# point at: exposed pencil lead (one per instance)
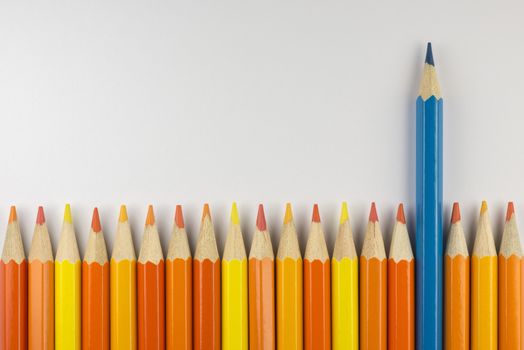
(455, 213)
(261, 218)
(316, 214)
(40, 217)
(235, 220)
(373, 216)
(179, 217)
(95, 221)
(123, 214)
(150, 219)
(12, 214)
(400, 214)
(510, 212)
(288, 217)
(206, 212)
(344, 215)
(429, 55)
(484, 207)
(67, 214)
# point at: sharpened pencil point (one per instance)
(206, 212)
(373, 216)
(316, 214)
(12, 214)
(40, 217)
(288, 217)
(67, 214)
(95, 221)
(123, 214)
(510, 212)
(455, 213)
(261, 218)
(235, 220)
(484, 207)
(429, 55)
(400, 214)
(344, 215)
(179, 217)
(150, 219)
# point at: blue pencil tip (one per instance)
(429, 55)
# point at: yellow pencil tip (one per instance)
(234, 214)
(67, 214)
(484, 207)
(344, 215)
(123, 214)
(288, 217)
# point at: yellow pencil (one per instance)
(344, 274)
(68, 268)
(484, 286)
(123, 287)
(289, 287)
(234, 288)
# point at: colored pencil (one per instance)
(428, 247)
(41, 288)
(206, 288)
(95, 290)
(456, 286)
(317, 288)
(179, 288)
(401, 288)
(510, 285)
(123, 287)
(261, 287)
(289, 287)
(373, 287)
(344, 286)
(484, 286)
(68, 298)
(151, 288)
(234, 288)
(13, 289)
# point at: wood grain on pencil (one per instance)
(206, 288)
(151, 288)
(179, 288)
(95, 290)
(317, 289)
(41, 285)
(13, 289)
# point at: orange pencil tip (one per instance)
(261, 218)
(12, 214)
(400, 214)
(373, 216)
(316, 214)
(510, 212)
(179, 217)
(455, 213)
(150, 219)
(206, 212)
(40, 217)
(95, 222)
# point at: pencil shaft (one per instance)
(151, 305)
(373, 303)
(234, 305)
(13, 305)
(123, 292)
(510, 303)
(261, 304)
(289, 304)
(95, 306)
(41, 332)
(484, 303)
(68, 305)
(456, 305)
(179, 306)
(317, 305)
(344, 274)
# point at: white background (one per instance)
(166, 102)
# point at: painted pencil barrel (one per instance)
(95, 306)
(344, 274)
(289, 304)
(261, 304)
(13, 305)
(484, 303)
(456, 306)
(41, 301)
(123, 292)
(68, 305)
(317, 305)
(151, 306)
(234, 305)
(373, 304)
(179, 310)
(510, 303)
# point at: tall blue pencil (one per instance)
(429, 254)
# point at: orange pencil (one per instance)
(41, 283)
(510, 285)
(317, 289)
(261, 288)
(373, 284)
(179, 288)
(206, 288)
(401, 288)
(456, 286)
(13, 289)
(95, 290)
(151, 289)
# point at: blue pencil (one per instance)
(429, 254)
